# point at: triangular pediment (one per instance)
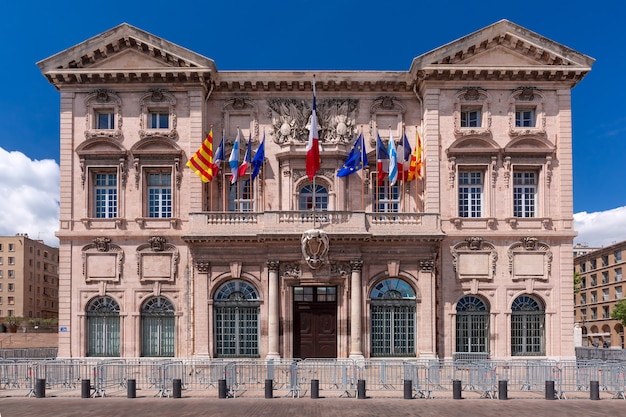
(503, 50)
(125, 53)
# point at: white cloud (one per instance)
(601, 228)
(30, 197)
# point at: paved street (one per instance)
(288, 407)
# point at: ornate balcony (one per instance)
(290, 224)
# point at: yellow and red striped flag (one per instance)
(415, 167)
(202, 161)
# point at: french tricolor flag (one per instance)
(313, 146)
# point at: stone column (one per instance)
(356, 301)
(273, 310)
(427, 347)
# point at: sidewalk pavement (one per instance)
(14, 405)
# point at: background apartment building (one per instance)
(601, 287)
(472, 256)
(29, 278)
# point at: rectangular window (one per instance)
(11, 260)
(618, 274)
(11, 247)
(240, 195)
(583, 298)
(594, 296)
(470, 117)
(470, 194)
(605, 277)
(105, 119)
(524, 194)
(594, 264)
(11, 287)
(11, 300)
(605, 312)
(583, 267)
(1, 260)
(525, 118)
(605, 294)
(387, 197)
(105, 195)
(605, 260)
(594, 313)
(618, 292)
(159, 194)
(618, 256)
(159, 120)
(11, 273)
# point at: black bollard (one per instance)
(503, 391)
(269, 388)
(550, 390)
(131, 388)
(594, 390)
(222, 388)
(408, 389)
(360, 389)
(315, 388)
(177, 385)
(456, 389)
(85, 388)
(40, 388)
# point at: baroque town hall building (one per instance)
(472, 257)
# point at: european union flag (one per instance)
(357, 158)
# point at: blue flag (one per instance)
(357, 158)
(259, 158)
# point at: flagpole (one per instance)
(362, 170)
(404, 197)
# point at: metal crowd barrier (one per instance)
(335, 377)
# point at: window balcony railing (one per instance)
(213, 224)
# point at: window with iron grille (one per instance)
(527, 327)
(392, 318)
(157, 327)
(472, 325)
(236, 306)
(103, 327)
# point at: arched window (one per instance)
(472, 325)
(236, 320)
(392, 317)
(157, 327)
(527, 327)
(103, 327)
(307, 196)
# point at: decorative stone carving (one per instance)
(474, 259)
(340, 268)
(157, 260)
(164, 100)
(273, 265)
(531, 97)
(103, 99)
(474, 98)
(315, 244)
(102, 260)
(240, 108)
(530, 258)
(202, 266)
(291, 271)
(427, 265)
(291, 120)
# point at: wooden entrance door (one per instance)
(315, 322)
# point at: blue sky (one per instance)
(311, 35)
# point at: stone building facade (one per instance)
(473, 257)
(599, 289)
